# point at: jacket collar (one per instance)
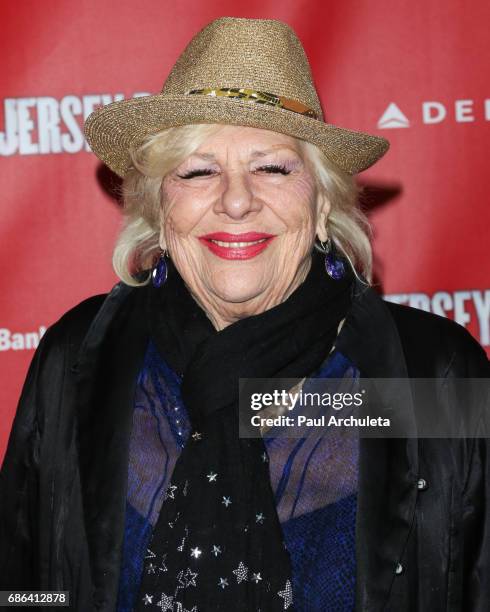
(109, 360)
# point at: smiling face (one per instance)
(239, 218)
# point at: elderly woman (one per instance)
(126, 482)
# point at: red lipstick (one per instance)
(237, 246)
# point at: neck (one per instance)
(223, 313)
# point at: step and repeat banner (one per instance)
(417, 74)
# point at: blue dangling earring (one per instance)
(334, 266)
(159, 271)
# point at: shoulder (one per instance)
(76, 321)
(59, 344)
(93, 315)
(63, 338)
(85, 311)
(45, 381)
(429, 338)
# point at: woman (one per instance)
(126, 482)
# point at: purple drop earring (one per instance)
(333, 265)
(159, 271)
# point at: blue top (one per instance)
(314, 480)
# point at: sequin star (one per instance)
(148, 599)
(256, 577)
(150, 555)
(241, 572)
(226, 501)
(171, 491)
(151, 568)
(223, 582)
(259, 518)
(165, 602)
(196, 552)
(264, 457)
(196, 436)
(162, 567)
(190, 577)
(216, 550)
(287, 595)
(212, 476)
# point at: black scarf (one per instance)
(218, 541)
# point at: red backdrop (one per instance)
(416, 73)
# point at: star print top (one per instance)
(314, 482)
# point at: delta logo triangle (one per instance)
(393, 118)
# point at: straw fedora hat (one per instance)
(250, 72)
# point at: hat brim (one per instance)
(112, 129)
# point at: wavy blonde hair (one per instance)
(138, 243)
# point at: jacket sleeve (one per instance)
(472, 363)
(27, 477)
(476, 526)
(476, 509)
(20, 473)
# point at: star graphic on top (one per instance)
(241, 572)
(190, 577)
(287, 595)
(196, 552)
(165, 603)
(223, 582)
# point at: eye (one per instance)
(198, 172)
(274, 169)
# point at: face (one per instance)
(239, 218)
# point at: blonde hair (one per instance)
(138, 242)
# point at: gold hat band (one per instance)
(259, 97)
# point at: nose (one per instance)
(237, 199)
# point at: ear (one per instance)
(322, 218)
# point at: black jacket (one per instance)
(63, 480)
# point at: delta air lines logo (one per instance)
(433, 112)
(393, 118)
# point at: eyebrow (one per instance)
(256, 153)
(273, 149)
